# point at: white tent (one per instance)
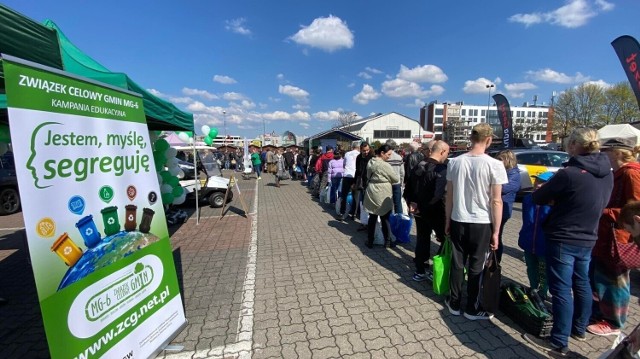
(624, 130)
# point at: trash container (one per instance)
(110, 220)
(130, 223)
(88, 231)
(147, 217)
(66, 249)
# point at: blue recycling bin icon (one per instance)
(88, 230)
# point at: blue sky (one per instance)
(295, 65)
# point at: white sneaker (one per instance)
(259, 177)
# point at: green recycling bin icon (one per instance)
(110, 219)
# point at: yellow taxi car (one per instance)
(532, 162)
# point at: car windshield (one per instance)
(557, 159)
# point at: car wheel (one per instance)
(9, 201)
(216, 199)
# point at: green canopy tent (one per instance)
(46, 44)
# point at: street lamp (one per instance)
(224, 121)
(490, 86)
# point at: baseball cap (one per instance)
(544, 176)
(618, 142)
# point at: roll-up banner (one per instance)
(627, 49)
(95, 224)
(504, 115)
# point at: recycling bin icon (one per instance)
(66, 249)
(147, 217)
(88, 230)
(110, 220)
(130, 223)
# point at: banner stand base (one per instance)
(173, 348)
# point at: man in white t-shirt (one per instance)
(348, 181)
(473, 216)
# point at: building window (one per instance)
(438, 120)
(439, 111)
(464, 112)
(391, 134)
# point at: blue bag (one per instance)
(401, 227)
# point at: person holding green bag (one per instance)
(473, 216)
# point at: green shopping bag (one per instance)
(441, 268)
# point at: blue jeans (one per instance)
(257, 169)
(310, 178)
(335, 185)
(567, 269)
(397, 198)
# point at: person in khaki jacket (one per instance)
(378, 197)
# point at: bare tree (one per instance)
(579, 106)
(522, 128)
(345, 119)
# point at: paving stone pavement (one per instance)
(289, 281)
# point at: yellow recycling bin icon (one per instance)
(66, 249)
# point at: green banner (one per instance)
(96, 229)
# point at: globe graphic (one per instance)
(109, 250)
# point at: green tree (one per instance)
(620, 105)
(579, 106)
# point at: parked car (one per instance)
(532, 162)
(9, 194)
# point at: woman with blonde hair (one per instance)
(509, 191)
(578, 195)
(610, 281)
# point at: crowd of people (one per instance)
(570, 220)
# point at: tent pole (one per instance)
(197, 179)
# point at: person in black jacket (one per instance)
(360, 178)
(578, 195)
(424, 193)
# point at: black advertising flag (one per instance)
(504, 115)
(627, 49)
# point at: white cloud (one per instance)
(295, 92)
(201, 93)
(517, 89)
(237, 26)
(604, 6)
(244, 104)
(285, 116)
(304, 125)
(602, 83)
(233, 96)
(573, 14)
(367, 94)
(477, 86)
(224, 79)
(327, 115)
(247, 127)
(351, 85)
(206, 119)
(280, 76)
(549, 75)
(425, 73)
(403, 88)
(300, 106)
(365, 75)
(373, 70)
(156, 92)
(181, 100)
(326, 33)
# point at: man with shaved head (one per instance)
(425, 194)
